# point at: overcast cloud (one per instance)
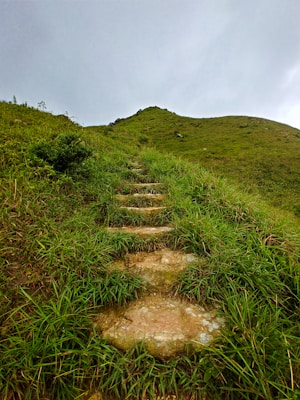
(100, 60)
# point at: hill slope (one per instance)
(57, 249)
(260, 155)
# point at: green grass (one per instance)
(54, 271)
(260, 155)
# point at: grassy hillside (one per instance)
(56, 250)
(261, 156)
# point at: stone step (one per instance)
(167, 326)
(159, 269)
(141, 199)
(154, 197)
(147, 211)
(137, 170)
(143, 231)
(142, 187)
(151, 196)
(138, 175)
(145, 187)
(146, 184)
(135, 164)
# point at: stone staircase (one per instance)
(145, 193)
(167, 325)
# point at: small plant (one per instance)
(64, 153)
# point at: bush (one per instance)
(64, 153)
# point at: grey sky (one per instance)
(104, 59)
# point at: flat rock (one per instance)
(165, 325)
(159, 269)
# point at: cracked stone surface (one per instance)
(165, 325)
(159, 269)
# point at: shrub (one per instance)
(64, 153)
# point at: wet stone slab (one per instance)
(158, 269)
(165, 325)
